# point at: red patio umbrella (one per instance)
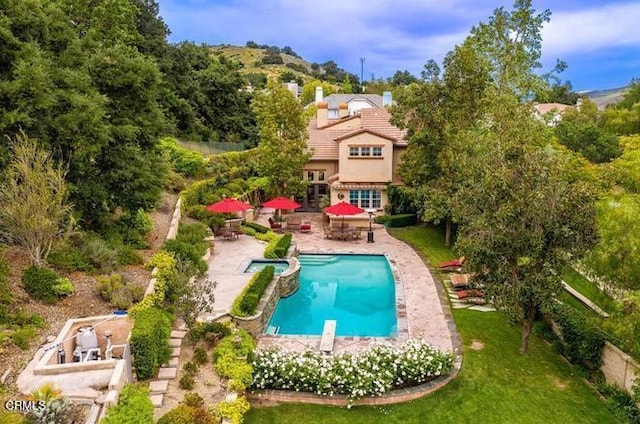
(281, 203)
(343, 208)
(229, 205)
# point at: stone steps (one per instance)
(169, 371)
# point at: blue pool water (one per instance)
(279, 266)
(355, 290)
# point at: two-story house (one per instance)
(355, 157)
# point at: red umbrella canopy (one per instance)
(281, 203)
(343, 208)
(229, 206)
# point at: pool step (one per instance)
(272, 330)
(328, 336)
(318, 259)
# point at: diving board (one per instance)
(328, 336)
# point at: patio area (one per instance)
(426, 308)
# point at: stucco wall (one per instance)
(618, 367)
(366, 169)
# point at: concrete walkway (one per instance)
(426, 318)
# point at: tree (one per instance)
(33, 199)
(282, 150)
(308, 94)
(615, 257)
(402, 78)
(579, 131)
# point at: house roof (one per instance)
(544, 108)
(324, 140)
(334, 100)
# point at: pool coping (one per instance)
(402, 326)
(242, 268)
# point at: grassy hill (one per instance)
(251, 58)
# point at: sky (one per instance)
(598, 39)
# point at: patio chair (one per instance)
(276, 226)
(356, 233)
(328, 232)
(452, 265)
(305, 227)
(229, 234)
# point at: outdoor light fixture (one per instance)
(370, 233)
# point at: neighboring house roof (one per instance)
(334, 100)
(375, 120)
(544, 108)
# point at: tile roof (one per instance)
(334, 100)
(544, 108)
(375, 120)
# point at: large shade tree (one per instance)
(524, 208)
(282, 151)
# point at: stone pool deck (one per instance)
(427, 308)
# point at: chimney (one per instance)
(323, 114)
(343, 110)
(319, 95)
(387, 100)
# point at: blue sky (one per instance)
(599, 39)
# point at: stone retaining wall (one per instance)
(282, 285)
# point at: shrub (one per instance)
(98, 253)
(370, 373)
(581, 342)
(132, 227)
(68, 257)
(128, 255)
(116, 289)
(403, 220)
(187, 381)
(621, 403)
(381, 219)
(150, 341)
(194, 233)
(200, 356)
(134, 406)
(190, 411)
(22, 337)
(257, 227)
(210, 219)
(190, 367)
(44, 284)
(184, 161)
(234, 410)
(245, 304)
(210, 331)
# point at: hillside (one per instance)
(251, 58)
(605, 97)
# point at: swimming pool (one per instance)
(257, 265)
(357, 291)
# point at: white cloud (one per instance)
(592, 29)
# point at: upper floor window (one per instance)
(315, 175)
(365, 151)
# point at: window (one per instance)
(365, 151)
(310, 175)
(366, 198)
(315, 175)
(320, 175)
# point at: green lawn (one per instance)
(496, 383)
(589, 290)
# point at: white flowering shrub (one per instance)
(381, 368)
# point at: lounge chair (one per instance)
(452, 265)
(276, 226)
(460, 281)
(305, 227)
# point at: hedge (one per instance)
(150, 341)
(259, 228)
(581, 342)
(134, 406)
(278, 247)
(229, 359)
(245, 305)
(402, 220)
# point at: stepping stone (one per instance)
(156, 400)
(167, 373)
(178, 334)
(482, 308)
(459, 305)
(175, 352)
(158, 386)
(175, 342)
(173, 362)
